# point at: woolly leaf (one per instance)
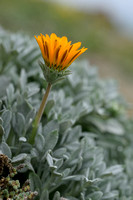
(18, 123)
(114, 127)
(110, 195)
(50, 160)
(113, 170)
(19, 158)
(6, 116)
(59, 152)
(32, 89)
(1, 133)
(4, 82)
(40, 142)
(29, 119)
(65, 125)
(35, 182)
(10, 93)
(5, 149)
(50, 126)
(51, 140)
(56, 196)
(49, 106)
(96, 195)
(44, 195)
(23, 80)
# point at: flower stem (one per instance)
(39, 114)
(42, 106)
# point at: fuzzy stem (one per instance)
(39, 114)
(42, 106)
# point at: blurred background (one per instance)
(105, 27)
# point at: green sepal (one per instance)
(53, 75)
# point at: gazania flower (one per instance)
(57, 52)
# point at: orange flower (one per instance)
(57, 52)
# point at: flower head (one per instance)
(57, 52)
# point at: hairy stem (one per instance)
(42, 106)
(39, 114)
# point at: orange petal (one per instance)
(40, 43)
(77, 55)
(53, 36)
(75, 46)
(72, 57)
(56, 53)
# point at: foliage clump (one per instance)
(83, 146)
